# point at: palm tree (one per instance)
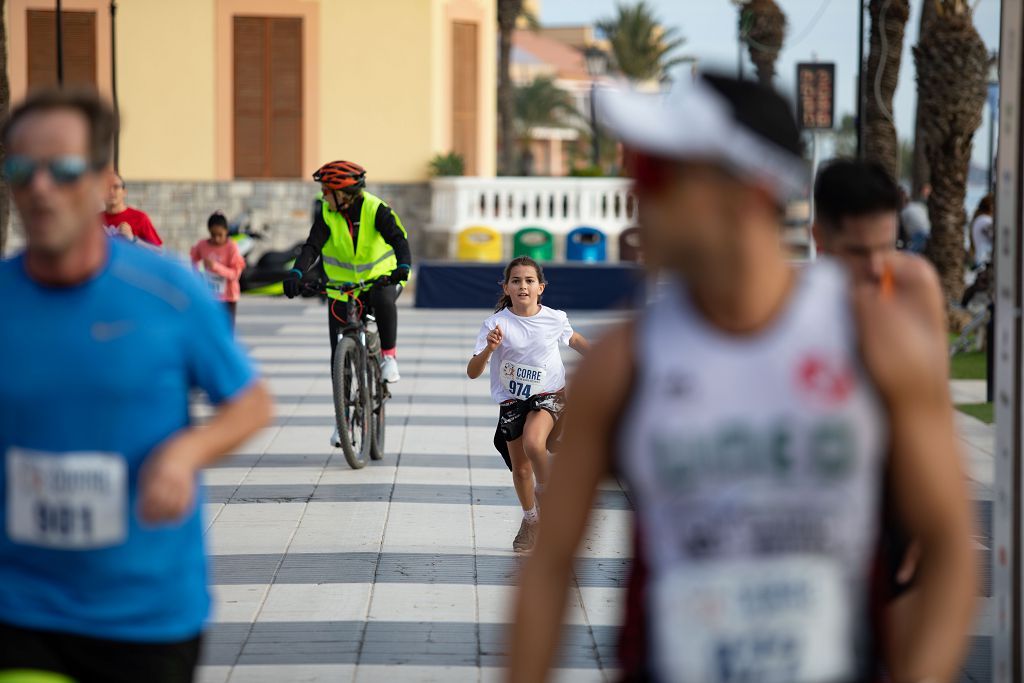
(888, 22)
(952, 65)
(919, 173)
(5, 105)
(641, 47)
(763, 28)
(508, 15)
(542, 103)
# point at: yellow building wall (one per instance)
(376, 86)
(165, 57)
(378, 81)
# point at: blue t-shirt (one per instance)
(99, 374)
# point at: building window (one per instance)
(79, 42)
(267, 97)
(465, 94)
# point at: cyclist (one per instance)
(527, 380)
(102, 567)
(749, 410)
(357, 238)
(856, 221)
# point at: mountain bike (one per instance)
(360, 393)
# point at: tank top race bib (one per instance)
(73, 501)
(521, 380)
(780, 620)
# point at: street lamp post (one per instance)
(60, 45)
(597, 66)
(993, 109)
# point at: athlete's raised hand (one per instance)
(495, 338)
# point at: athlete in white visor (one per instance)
(752, 411)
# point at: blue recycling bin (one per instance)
(586, 244)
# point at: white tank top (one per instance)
(755, 466)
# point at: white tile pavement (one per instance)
(402, 571)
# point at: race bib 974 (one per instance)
(770, 620)
(72, 501)
(522, 381)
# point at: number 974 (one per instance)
(519, 389)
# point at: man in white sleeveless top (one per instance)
(753, 412)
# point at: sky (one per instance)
(821, 29)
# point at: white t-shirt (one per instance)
(982, 232)
(528, 361)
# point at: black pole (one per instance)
(595, 143)
(113, 81)
(739, 47)
(860, 80)
(60, 45)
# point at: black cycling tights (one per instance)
(382, 301)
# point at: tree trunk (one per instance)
(508, 13)
(766, 33)
(5, 105)
(919, 175)
(952, 64)
(888, 21)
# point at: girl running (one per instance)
(221, 263)
(527, 380)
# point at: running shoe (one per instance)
(336, 439)
(526, 537)
(389, 370)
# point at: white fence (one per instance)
(555, 204)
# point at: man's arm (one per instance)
(928, 484)
(388, 228)
(319, 233)
(167, 481)
(598, 395)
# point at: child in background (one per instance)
(221, 262)
(527, 380)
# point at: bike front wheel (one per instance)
(378, 399)
(352, 402)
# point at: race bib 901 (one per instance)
(71, 501)
(522, 381)
(769, 620)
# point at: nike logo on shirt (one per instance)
(104, 331)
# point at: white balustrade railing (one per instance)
(555, 204)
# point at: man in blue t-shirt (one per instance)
(102, 565)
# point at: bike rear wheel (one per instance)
(352, 402)
(378, 399)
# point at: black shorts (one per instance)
(512, 419)
(95, 660)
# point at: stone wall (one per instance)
(279, 209)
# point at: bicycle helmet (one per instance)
(347, 176)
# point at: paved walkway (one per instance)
(401, 571)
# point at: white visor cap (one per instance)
(693, 121)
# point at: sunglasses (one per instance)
(20, 170)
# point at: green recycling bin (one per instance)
(537, 243)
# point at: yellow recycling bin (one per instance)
(480, 243)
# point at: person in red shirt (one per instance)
(121, 219)
(221, 263)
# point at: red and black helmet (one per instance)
(346, 176)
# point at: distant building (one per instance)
(556, 53)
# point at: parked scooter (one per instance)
(262, 275)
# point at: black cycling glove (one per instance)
(399, 275)
(293, 285)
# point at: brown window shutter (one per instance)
(250, 67)
(286, 98)
(79, 48)
(465, 83)
(268, 97)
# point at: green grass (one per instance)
(968, 365)
(980, 411)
